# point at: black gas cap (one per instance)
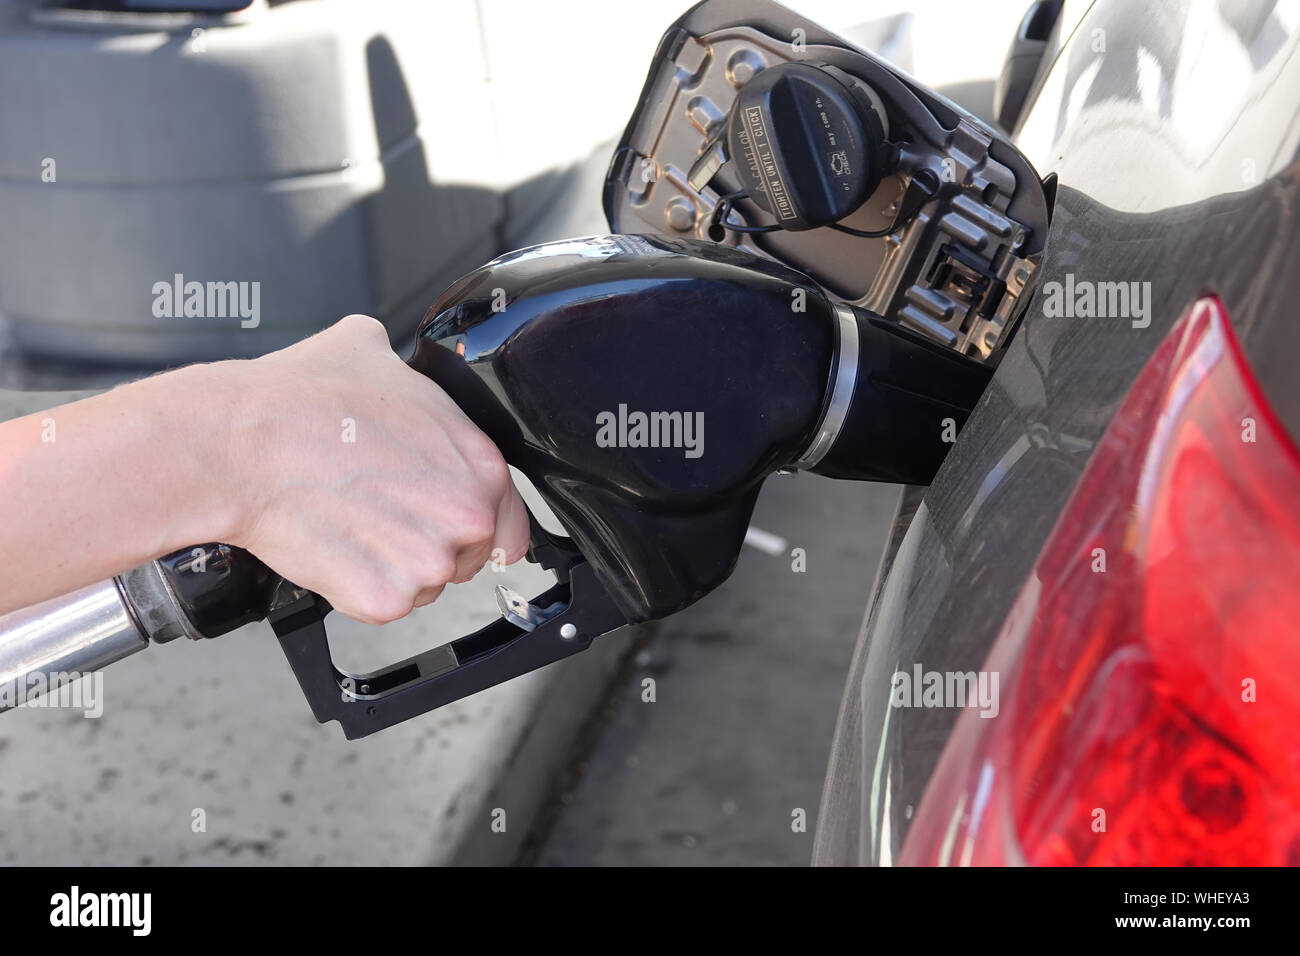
(806, 143)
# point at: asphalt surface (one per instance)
(747, 685)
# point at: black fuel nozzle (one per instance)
(646, 387)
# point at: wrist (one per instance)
(210, 406)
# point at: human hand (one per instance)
(361, 479)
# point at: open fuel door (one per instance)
(759, 129)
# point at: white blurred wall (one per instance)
(538, 54)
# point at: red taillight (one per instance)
(1151, 710)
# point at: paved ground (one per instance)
(747, 684)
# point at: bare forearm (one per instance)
(96, 487)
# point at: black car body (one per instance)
(1174, 130)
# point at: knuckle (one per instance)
(384, 604)
(494, 473)
(471, 560)
(517, 551)
(477, 523)
(363, 325)
(437, 569)
(484, 458)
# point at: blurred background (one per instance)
(322, 157)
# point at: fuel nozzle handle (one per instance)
(647, 386)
